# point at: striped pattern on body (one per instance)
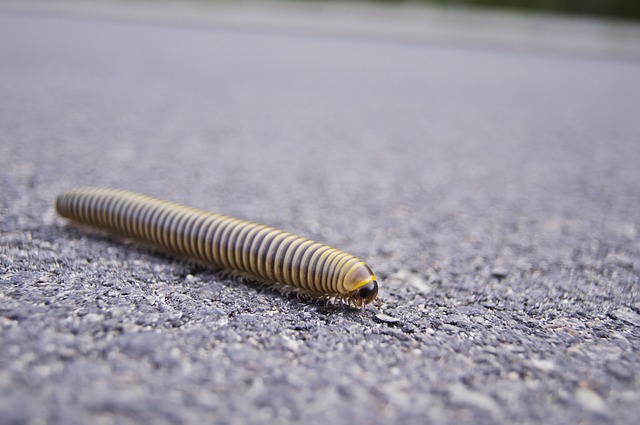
(257, 250)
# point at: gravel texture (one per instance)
(496, 193)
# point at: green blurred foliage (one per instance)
(628, 9)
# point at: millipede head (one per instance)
(361, 285)
(368, 292)
(363, 295)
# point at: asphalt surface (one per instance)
(495, 191)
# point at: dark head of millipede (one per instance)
(368, 292)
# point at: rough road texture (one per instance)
(495, 192)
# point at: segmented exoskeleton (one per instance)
(257, 250)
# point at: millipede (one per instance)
(258, 251)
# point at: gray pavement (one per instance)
(495, 190)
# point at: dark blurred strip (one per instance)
(627, 9)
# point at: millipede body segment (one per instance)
(259, 251)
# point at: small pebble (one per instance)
(499, 272)
(386, 319)
(626, 315)
(590, 400)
